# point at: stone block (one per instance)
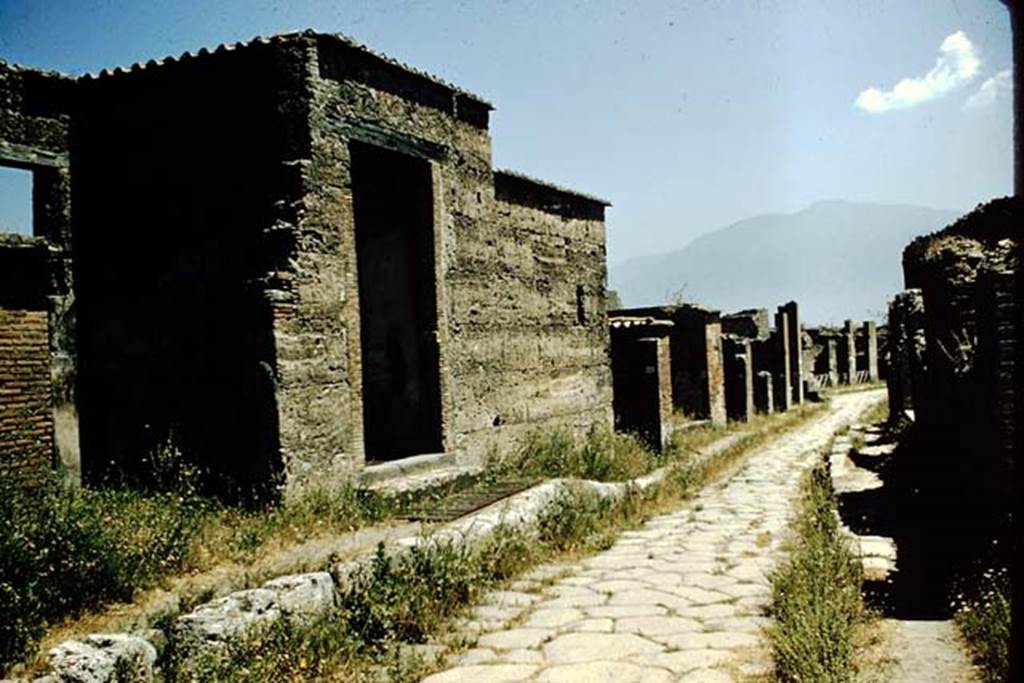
(104, 658)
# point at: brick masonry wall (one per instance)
(38, 415)
(26, 408)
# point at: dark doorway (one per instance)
(392, 196)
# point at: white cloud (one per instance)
(991, 90)
(956, 64)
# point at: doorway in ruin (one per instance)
(392, 196)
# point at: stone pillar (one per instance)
(848, 353)
(763, 393)
(642, 378)
(781, 379)
(832, 361)
(715, 372)
(739, 378)
(871, 349)
(796, 364)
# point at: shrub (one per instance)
(816, 600)
(63, 550)
(603, 455)
(984, 620)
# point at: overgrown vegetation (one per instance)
(398, 600)
(603, 455)
(983, 618)
(65, 550)
(817, 610)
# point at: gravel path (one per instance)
(679, 599)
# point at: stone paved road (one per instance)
(679, 599)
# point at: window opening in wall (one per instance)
(15, 201)
(392, 198)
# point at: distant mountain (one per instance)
(837, 259)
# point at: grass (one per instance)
(983, 619)
(66, 550)
(397, 600)
(817, 610)
(69, 550)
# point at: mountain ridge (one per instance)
(837, 258)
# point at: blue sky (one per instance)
(686, 114)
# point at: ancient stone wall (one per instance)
(796, 348)
(698, 386)
(642, 378)
(335, 273)
(751, 324)
(739, 378)
(965, 275)
(781, 370)
(183, 171)
(38, 417)
(905, 352)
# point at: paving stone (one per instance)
(719, 640)
(592, 626)
(706, 676)
(556, 617)
(591, 672)
(478, 655)
(515, 639)
(650, 626)
(586, 647)
(682, 661)
(708, 581)
(522, 656)
(484, 673)
(619, 611)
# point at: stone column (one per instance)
(848, 353)
(871, 350)
(832, 361)
(739, 378)
(763, 399)
(796, 364)
(781, 379)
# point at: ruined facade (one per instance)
(38, 421)
(905, 354)
(293, 257)
(642, 378)
(739, 378)
(968, 390)
(698, 387)
(791, 312)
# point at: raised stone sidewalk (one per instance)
(681, 599)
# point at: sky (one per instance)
(687, 115)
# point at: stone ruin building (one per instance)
(953, 345)
(718, 367)
(642, 377)
(695, 341)
(288, 259)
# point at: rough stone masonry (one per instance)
(332, 272)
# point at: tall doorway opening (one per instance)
(392, 198)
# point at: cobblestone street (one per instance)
(680, 599)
